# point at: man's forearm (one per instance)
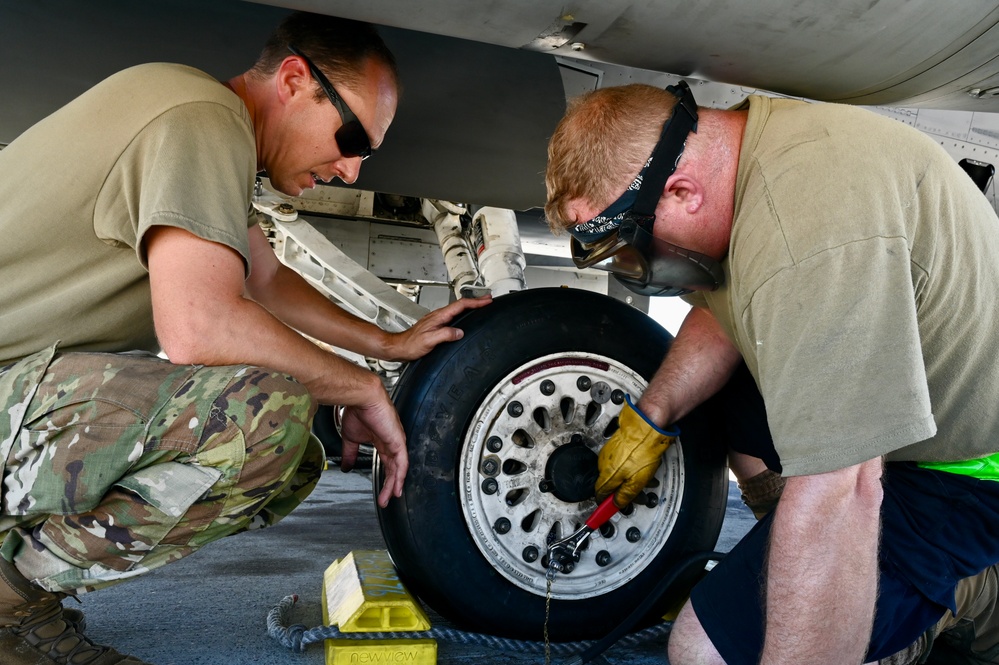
(699, 363)
(298, 304)
(822, 568)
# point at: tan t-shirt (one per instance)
(862, 289)
(156, 144)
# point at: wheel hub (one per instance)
(571, 472)
(529, 468)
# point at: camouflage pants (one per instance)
(124, 463)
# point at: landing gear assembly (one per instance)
(504, 428)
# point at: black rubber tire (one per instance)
(324, 427)
(436, 397)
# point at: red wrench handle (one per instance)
(604, 512)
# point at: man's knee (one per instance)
(689, 644)
(262, 424)
(268, 406)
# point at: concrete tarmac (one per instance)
(211, 608)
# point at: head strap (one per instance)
(667, 153)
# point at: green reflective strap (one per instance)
(983, 468)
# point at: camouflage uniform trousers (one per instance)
(124, 463)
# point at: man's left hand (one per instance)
(432, 330)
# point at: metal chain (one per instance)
(549, 577)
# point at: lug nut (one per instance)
(490, 486)
(607, 530)
(494, 444)
(515, 409)
(547, 387)
(576, 438)
(617, 397)
(490, 466)
(546, 486)
(601, 392)
(530, 554)
(603, 558)
(633, 535)
(583, 383)
(651, 500)
(502, 526)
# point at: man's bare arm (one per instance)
(700, 361)
(290, 298)
(202, 317)
(822, 570)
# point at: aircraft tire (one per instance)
(528, 396)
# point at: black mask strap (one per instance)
(667, 154)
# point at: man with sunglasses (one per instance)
(846, 264)
(114, 462)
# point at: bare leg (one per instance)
(689, 644)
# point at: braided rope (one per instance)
(297, 636)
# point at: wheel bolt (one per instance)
(547, 387)
(603, 558)
(515, 409)
(490, 486)
(633, 535)
(546, 486)
(530, 554)
(651, 500)
(617, 397)
(490, 466)
(601, 392)
(583, 383)
(502, 526)
(494, 444)
(607, 530)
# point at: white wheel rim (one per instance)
(518, 469)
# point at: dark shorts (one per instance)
(937, 528)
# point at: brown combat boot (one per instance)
(35, 631)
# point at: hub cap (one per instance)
(529, 465)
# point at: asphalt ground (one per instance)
(211, 608)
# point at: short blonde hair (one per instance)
(601, 144)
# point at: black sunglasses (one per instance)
(350, 137)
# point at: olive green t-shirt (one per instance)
(156, 144)
(862, 289)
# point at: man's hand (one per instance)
(432, 330)
(629, 460)
(379, 425)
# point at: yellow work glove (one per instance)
(630, 458)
